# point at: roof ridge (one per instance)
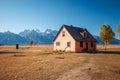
(72, 26)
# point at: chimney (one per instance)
(84, 30)
(71, 25)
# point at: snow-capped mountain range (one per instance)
(25, 36)
(37, 36)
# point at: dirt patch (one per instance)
(18, 55)
(79, 73)
(59, 57)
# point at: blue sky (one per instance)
(17, 15)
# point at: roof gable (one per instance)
(58, 33)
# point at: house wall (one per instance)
(79, 49)
(63, 42)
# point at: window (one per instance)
(85, 34)
(91, 44)
(68, 44)
(57, 43)
(63, 33)
(81, 44)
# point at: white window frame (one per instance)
(68, 44)
(63, 34)
(57, 43)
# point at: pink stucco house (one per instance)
(74, 39)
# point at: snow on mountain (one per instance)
(48, 31)
(11, 38)
(37, 36)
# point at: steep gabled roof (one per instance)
(75, 33)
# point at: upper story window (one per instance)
(63, 33)
(84, 33)
(68, 44)
(81, 44)
(57, 43)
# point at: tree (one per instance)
(106, 34)
(118, 30)
(31, 42)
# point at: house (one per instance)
(74, 39)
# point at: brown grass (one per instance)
(109, 48)
(41, 63)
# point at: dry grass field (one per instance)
(41, 63)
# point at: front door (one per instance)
(86, 46)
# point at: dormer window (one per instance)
(84, 33)
(63, 33)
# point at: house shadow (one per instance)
(15, 54)
(9, 52)
(108, 52)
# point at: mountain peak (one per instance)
(37, 30)
(8, 32)
(48, 31)
(39, 37)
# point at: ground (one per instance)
(41, 63)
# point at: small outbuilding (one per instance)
(74, 39)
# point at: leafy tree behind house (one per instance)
(31, 42)
(106, 34)
(118, 30)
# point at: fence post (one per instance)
(17, 46)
